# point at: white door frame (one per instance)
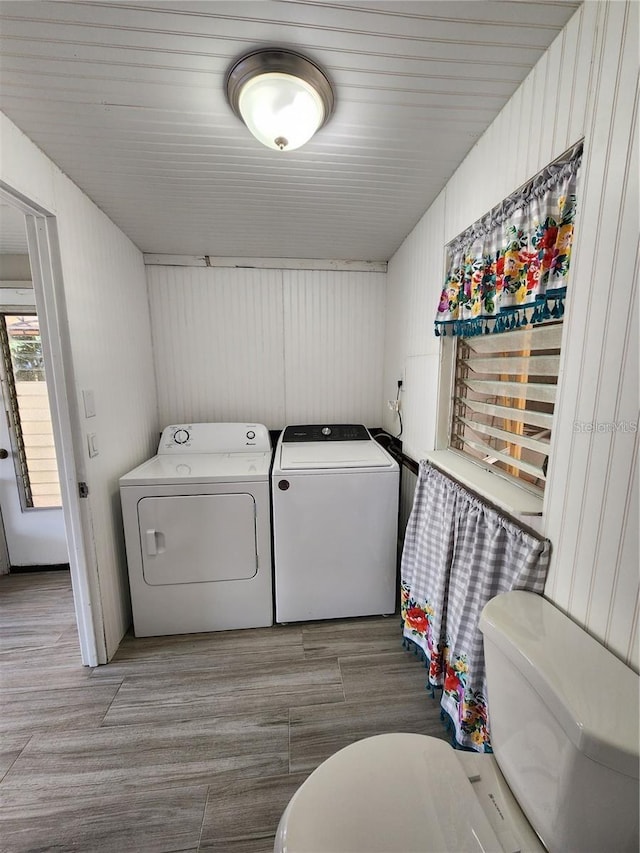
(46, 271)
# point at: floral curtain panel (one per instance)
(510, 268)
(458, 554)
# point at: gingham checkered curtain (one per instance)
(458, 554)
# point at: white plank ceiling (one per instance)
(127, 98)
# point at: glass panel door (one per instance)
(28, 411)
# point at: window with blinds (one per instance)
(504, 396)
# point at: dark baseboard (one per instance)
(56, 567)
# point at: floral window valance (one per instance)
(510, 268)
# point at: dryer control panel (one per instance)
(326, 432)
(214, 438)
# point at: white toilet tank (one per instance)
(563, 714)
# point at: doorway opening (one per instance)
(30, 495)
(27, 406)
(36, 365)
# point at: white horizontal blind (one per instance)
(504, 398)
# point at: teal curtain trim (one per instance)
(549, 306)
(419, 652)
(448, 723)
(445, 717)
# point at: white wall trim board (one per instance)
(264, 263)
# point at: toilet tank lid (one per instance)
(590, 692)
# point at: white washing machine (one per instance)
(335, 523)
(197, 531)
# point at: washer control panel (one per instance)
(214, 438)
(326, 432)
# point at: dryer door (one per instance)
(197, 538)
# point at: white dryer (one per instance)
(197, 531)
(335, 523)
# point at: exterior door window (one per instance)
(27, 403)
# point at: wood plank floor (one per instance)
(188, 743)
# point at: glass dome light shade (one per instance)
(281, 111)
(281, 96)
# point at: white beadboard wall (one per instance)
(333, 346)
(585, 85)
(217, 338)
(267, 345)
(110, 336)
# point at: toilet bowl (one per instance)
(563, 713)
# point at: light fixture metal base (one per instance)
(278, 61)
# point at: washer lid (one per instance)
(422, 802)
(166, 469)
(333, 454)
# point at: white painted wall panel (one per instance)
(586, 84)
(524, 137)
(581, 76)
(414, 283)
(539, 119)
(110, 340)
(626, 601)
(333, 346)
(23, 166)
(217, 337)
(419, 406)
(274, 346)
(589, 491)
(110, 334)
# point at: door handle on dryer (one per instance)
(152, 545)
(154, 542)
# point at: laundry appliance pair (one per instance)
(198, 527)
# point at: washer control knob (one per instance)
(326, 430)
(181, 436)
(251, 435)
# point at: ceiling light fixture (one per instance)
(281, 96)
